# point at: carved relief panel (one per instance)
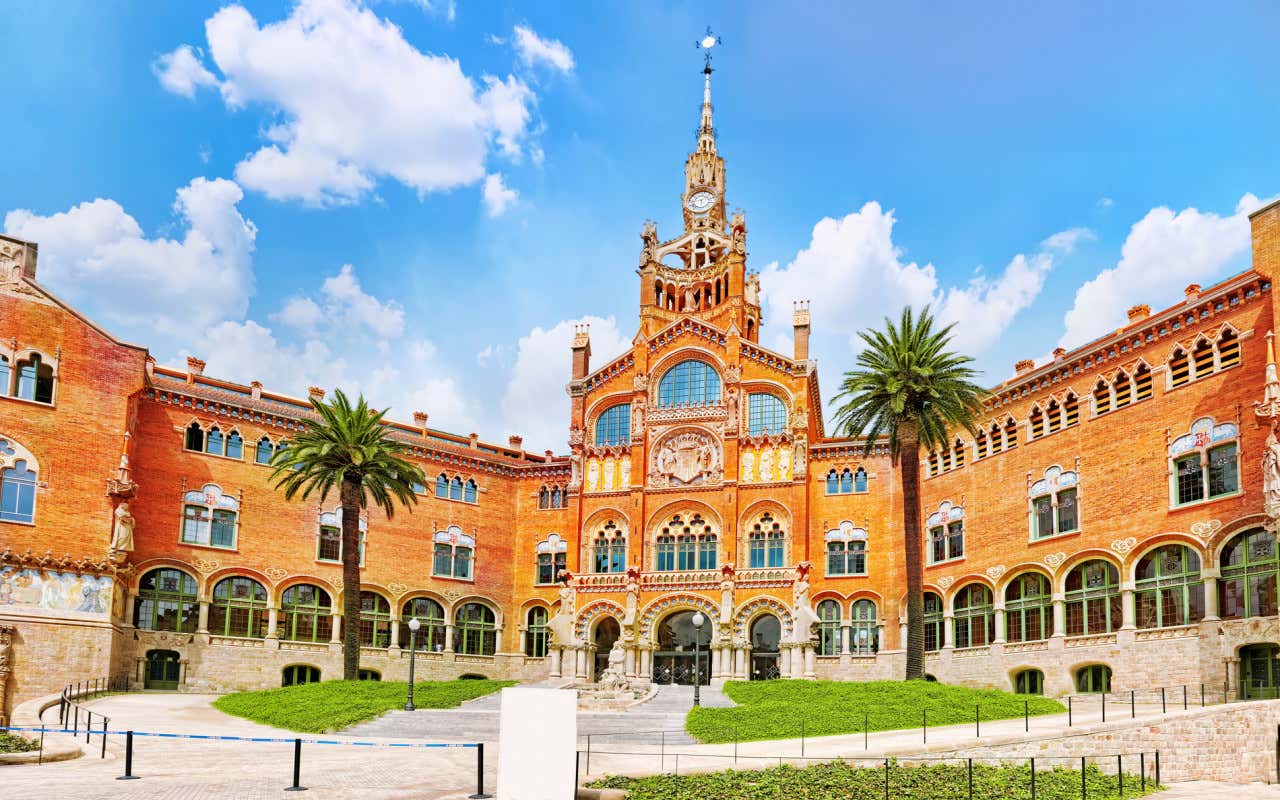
(686, 457)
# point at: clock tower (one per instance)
(701, 272)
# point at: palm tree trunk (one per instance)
(909, 474)
(350, 579)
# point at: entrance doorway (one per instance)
(607, 633)
(766, 637)
(1259, 672)
(162, 670)
(673, 662)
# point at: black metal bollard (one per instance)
(977, 722)
(970, 770)
(480, 793)
(577, 761)
(1163, 710)
(1202, 695)
(1084, 785)
(588, 754)
(1133, 708)
(104, 737)
(886, 779)
(1033, 779)
(297, 768)
(924, 724)
(128, 758)
(1026, 715)
(75, 725)
(1120, 774)
(1157, 768)
(1068, 711)
(1142, 770)
(1104, 706)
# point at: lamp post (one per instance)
(698, 619)
(413, 629)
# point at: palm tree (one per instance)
(350, 450)
(909, 388)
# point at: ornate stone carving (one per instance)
(799, 463)
(945, 582)
(995, 572)
(397, 588)
(275, 573)
(649, 242)
(121, 484)
(1054, 560)
(1204, 531)
(561, 626)
(205, 565)
(1123, 546)
(686, 458)
(122, 533)
(805, 618)
(640, 382)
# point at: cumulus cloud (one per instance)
(853, 274)
(535, 404)
(356, 103)
(353, 306)
(533, 50)
(148, 286)
(182, 71)
(1164, 251)
(497, 197)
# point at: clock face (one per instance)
(701, 201)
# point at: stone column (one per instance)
(744, 664)
(203, 624)
(1128, 613)
(335, 622)
(879, 642)
(902, 635)
(998, 610)
(448, 638)
(581, 671)
(646, 663)
(948, 631)
(555, 662)
(395, 633)
(1059, 616)
(810, 663)
(273, 622)
(629, 662)
(130, 602)
(1211, 610)
(846, 639)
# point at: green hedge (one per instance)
(774, 709)
(12, 743)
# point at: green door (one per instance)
(1259, 673)
(162, 670)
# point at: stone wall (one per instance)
(48, 653)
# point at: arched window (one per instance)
(997, 439)
(609, 550)
(666, 546)
(552, 555)
(368, 675)
(766, 543)
(298, 674)
(613, 426)
(1206, 462)
(1250, 568)
(558, 497)
(1070, 411)
(689, 383)
(1037, 423)
(1053, 417)
(544, 498)
(442, 486)
(1093, 599)
(213, 444)
(687, 545)
(452, 553)
(833, 482)
(17, 489)
(975, 624)
(946, 533)
(1028, 608)
(329, 537)
(470, 491)
(932, 622)
(1202, 357)
(1093, 679)
(864, 634)
(765, 414)
(829, 628)
(1141, 383)
(1055, 506)
(235, 445)
(860, 480)
(375, 620)
(1179, 368)
(1167, 587)
(846, 550)
(1123, 389)
(306, 614)
(166, 602)
(4, 375)
(846, 481)
(209, 517)
(980, 444)
(1101, 397)
(1228, 350)
(1010, 434)
(35, 379)
(263, 451)
(239, 608)
(1029, 681)
(455, 488)
(194, 439)
(474, 630)
(535, 635)
(431, 621)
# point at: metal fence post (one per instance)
(88, 725)
(1202, 695)
(1184, 697)
(1142, 770)
(128, 758)
(1104, 706)
(1120, 773)
(40, 757)
(977, 722)
(1133, 707)
(297, 768)
(1026, 715)
(735, 744)
(970, 768)
(1157, 768)
(802, 737)
(924, 724)
(886, 779)
(662, 751)
(588, 754)
(75, 725)
(104, 737)
(1084, 786)
(1163, 710)
(1068, 711)
(866, 730)
(577, 760)
(1033, 779)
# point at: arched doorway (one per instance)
(606, 635)
(1259, 671)
(162, 670)
(766, 638)
(673, 661)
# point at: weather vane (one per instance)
(708, 41)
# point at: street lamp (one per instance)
(413, 629)
(698, 619)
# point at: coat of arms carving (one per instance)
(687, 458)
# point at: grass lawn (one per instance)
(334, 705)
(840, 781)
(12, 743)
(774, 709)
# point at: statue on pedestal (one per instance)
(122, 532)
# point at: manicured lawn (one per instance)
(334, 705)
(774, 709)
(840, 781)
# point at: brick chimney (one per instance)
(1193, 292)
(1059, 353)
(255, 390)
(194, 367)
(475, 441)
(315, 393)
(1141, 311)
(581, 351)
(800, 324)
(515, 442)
(1265, 224)
(1024, 366)
(420, 419)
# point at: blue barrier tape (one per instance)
(223, 738)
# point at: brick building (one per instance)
(1109, 524)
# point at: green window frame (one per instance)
(549, 566)
(864, 632)
(1093, 679)
(1250, 567)
(535, 635)
(475, 631)
(829, 628)
(973, 618)
(1028, 608)
(375, 620)
(306, 614)
(239, 608)
(1167, 587)
(430, 637)
(1093, 604)
(299, 674)
(932, 622)
(167, 601)
(1028, 681)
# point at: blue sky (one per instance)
(419, 199)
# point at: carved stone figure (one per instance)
(753, 290)
(1271, 478)
(637, 419)
(610, 473)
(732, 374)
(748, 466)
(731, 405)
(739, 240)
(122, 534)
(800, 460)
(649, 246)
(640, 382)
(624, 468)
(726, 600)
(561, 625)
(593, 475)
(689, 302)
(805, 618)
(766, 464)
(614, 678)
(575, 476)
(784, 463)
(632, 599)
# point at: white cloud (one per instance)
(853, 275)
(1164, 251)
(1105, 203)
(535, 404)
(302, 313)
(497, 197)
(356, 103)
(182, 71)
(534, 50)
(447, 9)
(349, 303)
(171, 287)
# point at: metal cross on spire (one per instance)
(708, 41)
